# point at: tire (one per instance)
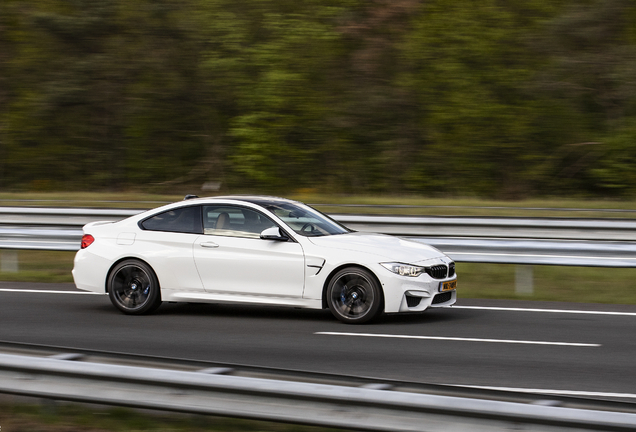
(354, 296)
(133, 287)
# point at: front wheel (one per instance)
(133, 287)
(354, 296)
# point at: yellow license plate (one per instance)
(447, 286)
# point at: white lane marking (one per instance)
(576, 344)
(551, 392)
(539, 255)
(545, 310)
(49, 291)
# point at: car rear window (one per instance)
(180, 220)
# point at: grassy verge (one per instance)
(51, 417)
(86, 199)
(37, 266)
(415, 205)
(472, 207)
(551, 283)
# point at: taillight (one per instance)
(87, 240)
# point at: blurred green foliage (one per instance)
(500, 99)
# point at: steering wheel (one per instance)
(309, 225)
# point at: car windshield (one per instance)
(305, 220)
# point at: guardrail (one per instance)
(618, 403)
(550, 241)
(206, 392)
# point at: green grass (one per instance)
(86, 199)
(58, 417)
(38, 266)
(551, 283)
(472, 206)
(424, 205)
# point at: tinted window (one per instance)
(182, 220)
(233, 221)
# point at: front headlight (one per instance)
(404, 269)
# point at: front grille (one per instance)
(437, 271)
(413, 301)
(442, 298)
(451, 269)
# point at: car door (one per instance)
(232, 258)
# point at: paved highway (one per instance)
(561, 348)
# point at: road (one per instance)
(566, 348)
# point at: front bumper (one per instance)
(414, 294)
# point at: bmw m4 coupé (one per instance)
(259, 250)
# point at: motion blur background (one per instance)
(484, 108)
(498, 99)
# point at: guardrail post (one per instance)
(9, 261)
(524, 280)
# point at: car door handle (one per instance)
(209, 245)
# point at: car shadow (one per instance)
(434, 315)
(288, 313)
(236, 311)
(428, 316)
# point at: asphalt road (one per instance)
(585, 350)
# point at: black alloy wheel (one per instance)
(133, 287)
(354, 296)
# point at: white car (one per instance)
(259, 250)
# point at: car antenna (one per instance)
(189, 196)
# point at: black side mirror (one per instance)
(273, 233)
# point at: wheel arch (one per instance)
(343, 266)
(110, 269)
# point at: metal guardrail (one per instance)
(205, 392)
(509, 228)
(473, 207)
(552, 241)
(618, 403)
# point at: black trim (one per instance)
(442, 298)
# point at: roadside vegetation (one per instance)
(334, 203)
(526, 108)
(504, 100)
(51, 416)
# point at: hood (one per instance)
(387, 248)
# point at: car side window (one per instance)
(231, 221)
(180, 220)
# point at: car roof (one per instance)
(255, 198)
(260, 200)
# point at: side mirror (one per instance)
(273, 233)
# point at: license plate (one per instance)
(449, 285)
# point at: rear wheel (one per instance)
(354, 296)
(133, 287)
